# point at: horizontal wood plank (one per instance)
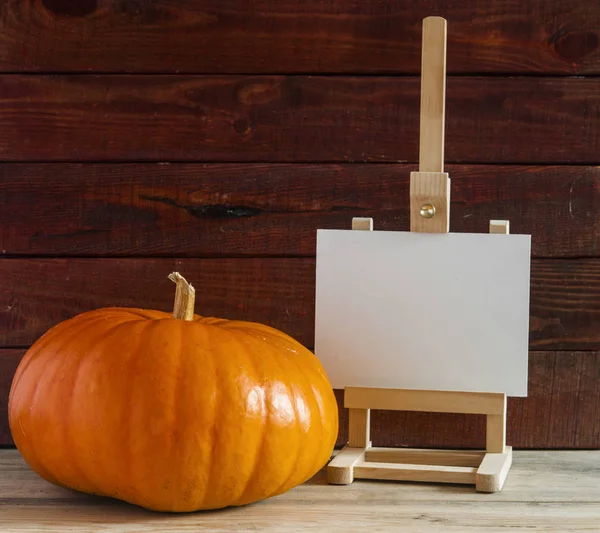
(562, 410)
(35, 294)
(212, 36)
(191, 210)
(293, 119)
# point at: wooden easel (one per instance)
(429, 212)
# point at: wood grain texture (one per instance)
(274, 291)
(293, 119)
(211, 36)
(561, 411)
(540, 495)
(543, 476)
(35, 294)
(275, 209)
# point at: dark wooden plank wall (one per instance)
(215, 137)
(293, 118)
(312, 36)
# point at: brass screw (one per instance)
(427, 210)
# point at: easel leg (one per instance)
(341, 469)
(493, 471)
(494, 468)
(495, 433)
(360, 428)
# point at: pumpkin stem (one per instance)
(185, 296)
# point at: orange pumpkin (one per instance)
(172, 412)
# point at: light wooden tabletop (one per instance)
(545, 491)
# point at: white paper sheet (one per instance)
(423, 311)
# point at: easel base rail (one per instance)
(487, 471)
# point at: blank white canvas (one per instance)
(423, 311)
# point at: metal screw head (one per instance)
(427, 210)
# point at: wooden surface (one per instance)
(550, 492)
(506, 36)
(275, 209)
(215, 137)
(293, 118)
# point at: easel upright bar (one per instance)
(359, 420)
(495, 436)
(433, 95)
(359, 433)
(430, 186)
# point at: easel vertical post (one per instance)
(496, 424)
(430, 186)
(433, 95)
(359, 431)
(495, 436)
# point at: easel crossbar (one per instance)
(467, 458)
(487, 471)
(476, 403)
(412, 472)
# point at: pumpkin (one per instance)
(172, 412)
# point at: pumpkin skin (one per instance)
(172, 415)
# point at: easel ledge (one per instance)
(487, 470)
